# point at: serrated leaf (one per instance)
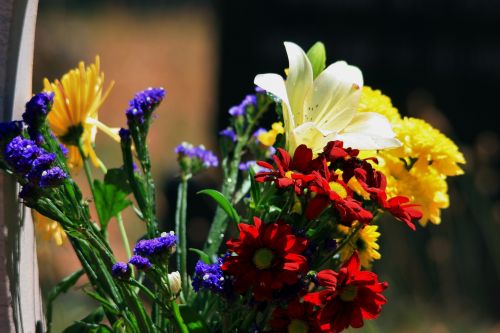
(193, 320)
(223, 203)
(203, 256)
(118, 177)
(109, 201)
(317, 57)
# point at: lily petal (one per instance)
(299, 81)
(334, 99)
(309, 135)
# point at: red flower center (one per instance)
(349, 293)
(263, 258)
(298, 326)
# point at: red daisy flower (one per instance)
(401, 209)
(297, 318)
(348, 297)
(267, 257)
(334, 150)
(290, 172)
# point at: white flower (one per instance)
(325, 109)
(174, 280)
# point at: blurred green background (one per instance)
(437, 62)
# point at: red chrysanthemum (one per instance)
(296, 318)
(348, 297)
(267, 257)
(290, 172)
(404, 211)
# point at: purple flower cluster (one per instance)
(143, 104)
(140, 262)
(208, 276)
(229, 133)
(240, 109)
(121, 270)
(156, 246)
(35, 113)
(200, 153)
(34, 163)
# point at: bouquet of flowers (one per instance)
(294, 236)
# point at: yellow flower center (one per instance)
(263, 258)
(338, 188)
(298, 326)
(349, 293)
(289, 174)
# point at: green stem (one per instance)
(179, 322)
(219, 224)
(124, 237)
(180, 230)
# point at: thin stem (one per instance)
(179, 322)
(180, 230)
(124, 237)
(86, 167)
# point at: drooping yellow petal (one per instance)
(48, 229)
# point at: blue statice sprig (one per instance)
(194, 159)
(229, 133)
(143, 104)
(157, 247)
(140, 262)
(121, 270)
(209, 276)
(37, 109)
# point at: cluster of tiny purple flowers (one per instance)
(209, 276)
(206, 157)
(143, 104)
(144, 251)
(33, 163)
(36, 111)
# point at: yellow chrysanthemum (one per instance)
(48, 229)
(269, 138)
(428, 147)
(428, 189)
(365, 242)
(374, 101)
(78, 96)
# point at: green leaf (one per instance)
(203, 256)
(104, 302)
(254, 187)
(109, 201)
(118, 177)
(193, 320)
(317, 57)
(223, 203)
(90, 324)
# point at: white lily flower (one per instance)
(325, 109)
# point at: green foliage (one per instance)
(90, 324)
(317, 57)
(111, 196)
(193, 320)
(223, 202)
(203, 256)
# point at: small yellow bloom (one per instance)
(78, 96)
(48, 229)
(269, 138)
(365, 242)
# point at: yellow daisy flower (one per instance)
(365, 242)
(48, 229)
(374, 101)
(78, 96)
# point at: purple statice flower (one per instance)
(244, 166)
(121, 271)
(35, 113)
(143, 104)
(52, 177)
(64, 150)
(208, 276)
(229, 133)
(200, 156)
(20, 154)
(39, 165)
(239, 110)
(156, 246)
(10, 129)
(140, 262)
(124, 134)
(259, 90)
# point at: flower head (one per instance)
(74, 115)
(121, 270)
(249, 101)
(325, 109)
(36, 112)
(165, 244)
(175, 282)
(364, 242)
(348, 296)
(143, 104)
(140, 262)
(266, 258)
(195, 159)
(52, 177)
(209, 276)
(20, 154)
(229, 133)
(298, 317)
(9, 130)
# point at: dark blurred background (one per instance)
(437, 60)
